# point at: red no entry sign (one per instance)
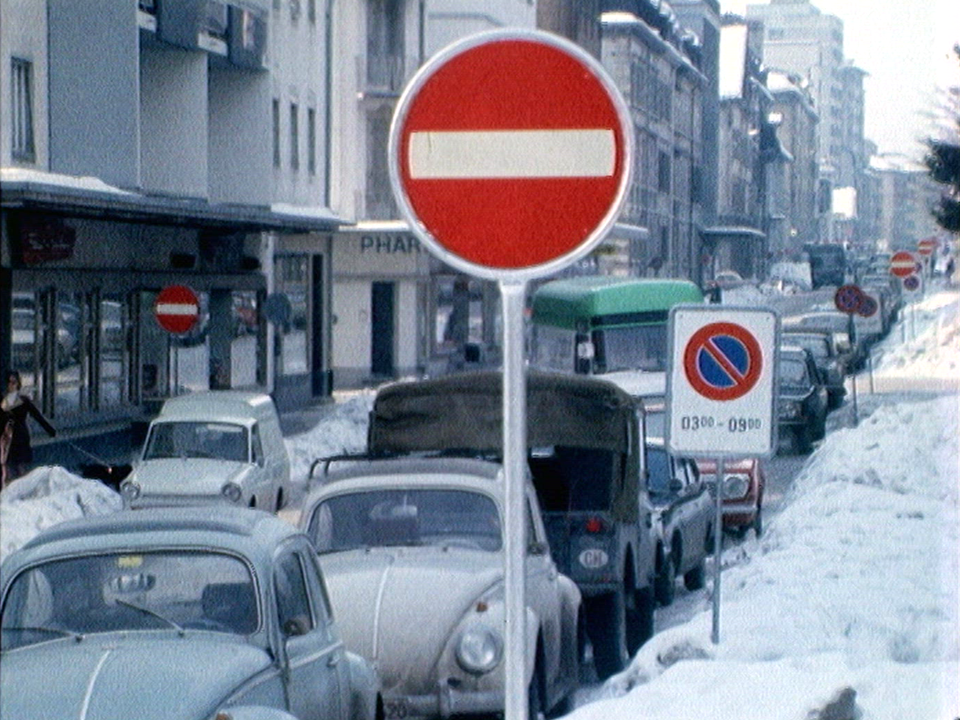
(722, 361)
(927, 246)
(510, 153)
(903, 264)
(177, 309)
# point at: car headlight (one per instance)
(130, 490)
(789, 409)
(232, 492)
(479, 650)
(735, 486)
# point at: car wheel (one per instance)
(606, 623)
(639, 614)
(665, 585)
(835, 400)
(695, 578)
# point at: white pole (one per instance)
(717, 552)
(513, 296)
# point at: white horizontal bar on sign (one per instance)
(176, 309)
(474, 154)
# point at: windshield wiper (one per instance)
(152, 613)
(52, 630)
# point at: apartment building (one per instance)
(144, 155)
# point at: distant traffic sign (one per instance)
(848, 299)
(911, 283)
(720, 384)
(868, 307)
(177, 309)
(510, 154)
(927, 246)
(903, 263)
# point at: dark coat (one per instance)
(20, 448)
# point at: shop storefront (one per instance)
(79, 277)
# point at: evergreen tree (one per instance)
(943, 165)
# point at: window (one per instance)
(294, 138)
(293, 603)
(663, 172)
(276, 133)
(21, 112)
(312, 141)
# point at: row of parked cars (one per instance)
(388, 600)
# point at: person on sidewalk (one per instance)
(16, 448)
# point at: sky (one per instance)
(854, 582)
(906, 47)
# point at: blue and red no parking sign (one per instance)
(722, 361)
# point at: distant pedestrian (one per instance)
(17, 450)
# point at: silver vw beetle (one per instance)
(412, 550)
(175, 614)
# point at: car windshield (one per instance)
(642, 347)
(793, 372)
(818, 346)
(380, 518)
(130, 591)
(658, 471)
(223, 441)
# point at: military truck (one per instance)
(585, 446)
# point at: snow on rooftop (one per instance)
(40, 177)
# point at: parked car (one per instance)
(742, 488)
(585, 454)
(175, 614)
(412, 550)
(802, 398)
(685, 514)
(822, 345)
(852, 348)
(213, 446)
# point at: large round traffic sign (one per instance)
(903, 264)
(510, 154)
(927, 246)
(177, 309)
(722, 361)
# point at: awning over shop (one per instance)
(89, 197)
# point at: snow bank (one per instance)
(343, 431)
(46, 496)
(853, 585)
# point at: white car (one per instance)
(412, 551)
(213, 446)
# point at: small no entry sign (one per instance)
(903, 263)
(177, 309)
(720, 384)
(927, 246)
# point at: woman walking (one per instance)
(16, 451)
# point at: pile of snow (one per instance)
(343, 431)
(927, 344)
(854, 585)
(45, 496)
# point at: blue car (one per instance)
(175, 614)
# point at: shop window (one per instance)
(243, 347)
(292, 279)
(112, 356)
(27, 341)
(70, 355)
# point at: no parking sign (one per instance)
(720, 386)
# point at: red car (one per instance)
(743, 484)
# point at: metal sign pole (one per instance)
(850, 334)
(717, 552)
(513, 296)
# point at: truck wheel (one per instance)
(665, 585)
(639, 618)
(606, 623)
(695, 578)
